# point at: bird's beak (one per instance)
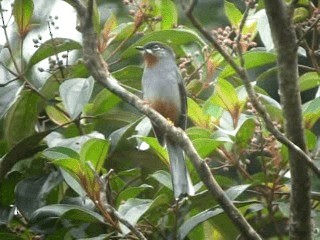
(144, 50)
(140, 48)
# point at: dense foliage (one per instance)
(72, 153)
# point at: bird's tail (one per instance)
(181, 180)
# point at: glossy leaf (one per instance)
(163, 177)
(31, 193)
(22, 12)
(252, 60)
(53, 47)
(71, 165)
(169, 15)
(205, 146)
(192, 222)
(233, 13)
(22, 117)
(197, 115)
(103, 102)
(309, 80)
(95, 151)
(175, 37)
(75, 94)
(23, 149)
(131, 192)
(132, 210)
(8, 96)
(235, 191)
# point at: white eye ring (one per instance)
(156, 47)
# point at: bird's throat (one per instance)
(150, 60)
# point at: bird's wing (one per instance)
(183, 98)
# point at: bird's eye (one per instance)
(156, 47)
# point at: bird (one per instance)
(163, 89)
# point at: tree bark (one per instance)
(284, 37)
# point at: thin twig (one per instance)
(251, 93)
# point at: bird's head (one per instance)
(154, 52)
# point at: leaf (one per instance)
(129, 75)
(53, 47)
(225, 96)
(56, 153)
(95, 151)
(23, 149)
(235, 191)
(163, 177)
(175, 37)
(22, 13)
(194, 221)
(197, 132)
(109, 25)
(131, 192)
(169, 15)
(31, 193)
(197, 115)
(205, 146)
(22, 117)
(10, 236)
(57, 116)
(233, 13)
(45, 218)
(103, 102)
(71, 165)
(309, 80)
(132, 210)
(245, 133)
(264, 29)
(252, 59)
(8, 96)
(75, 93)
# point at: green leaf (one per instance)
(8, 96)
(311, 112)
(103, 102)
(197, 132)
(132, 210)
(23, 149)
(225, 96)
(45, 218)
(235, 191)
(130, 76)
(157, 148)
(131, 192)
(173, 37)
(22, 117)
(75, 94)
(163, 177)
(309, 80)
(22, 13)
(245, 133)
(233, 13)
(71, 165)
(31, 193)
(169, 15)
(197, 115)
(95, 151)
(194, 221)
(56, 153)
(205, 146)
(252, 60)
(53, 47)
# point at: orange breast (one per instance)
(167, 109)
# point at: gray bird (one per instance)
(164, 90)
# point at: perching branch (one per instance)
(285, 40)
(251, 93)
(99, 71)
